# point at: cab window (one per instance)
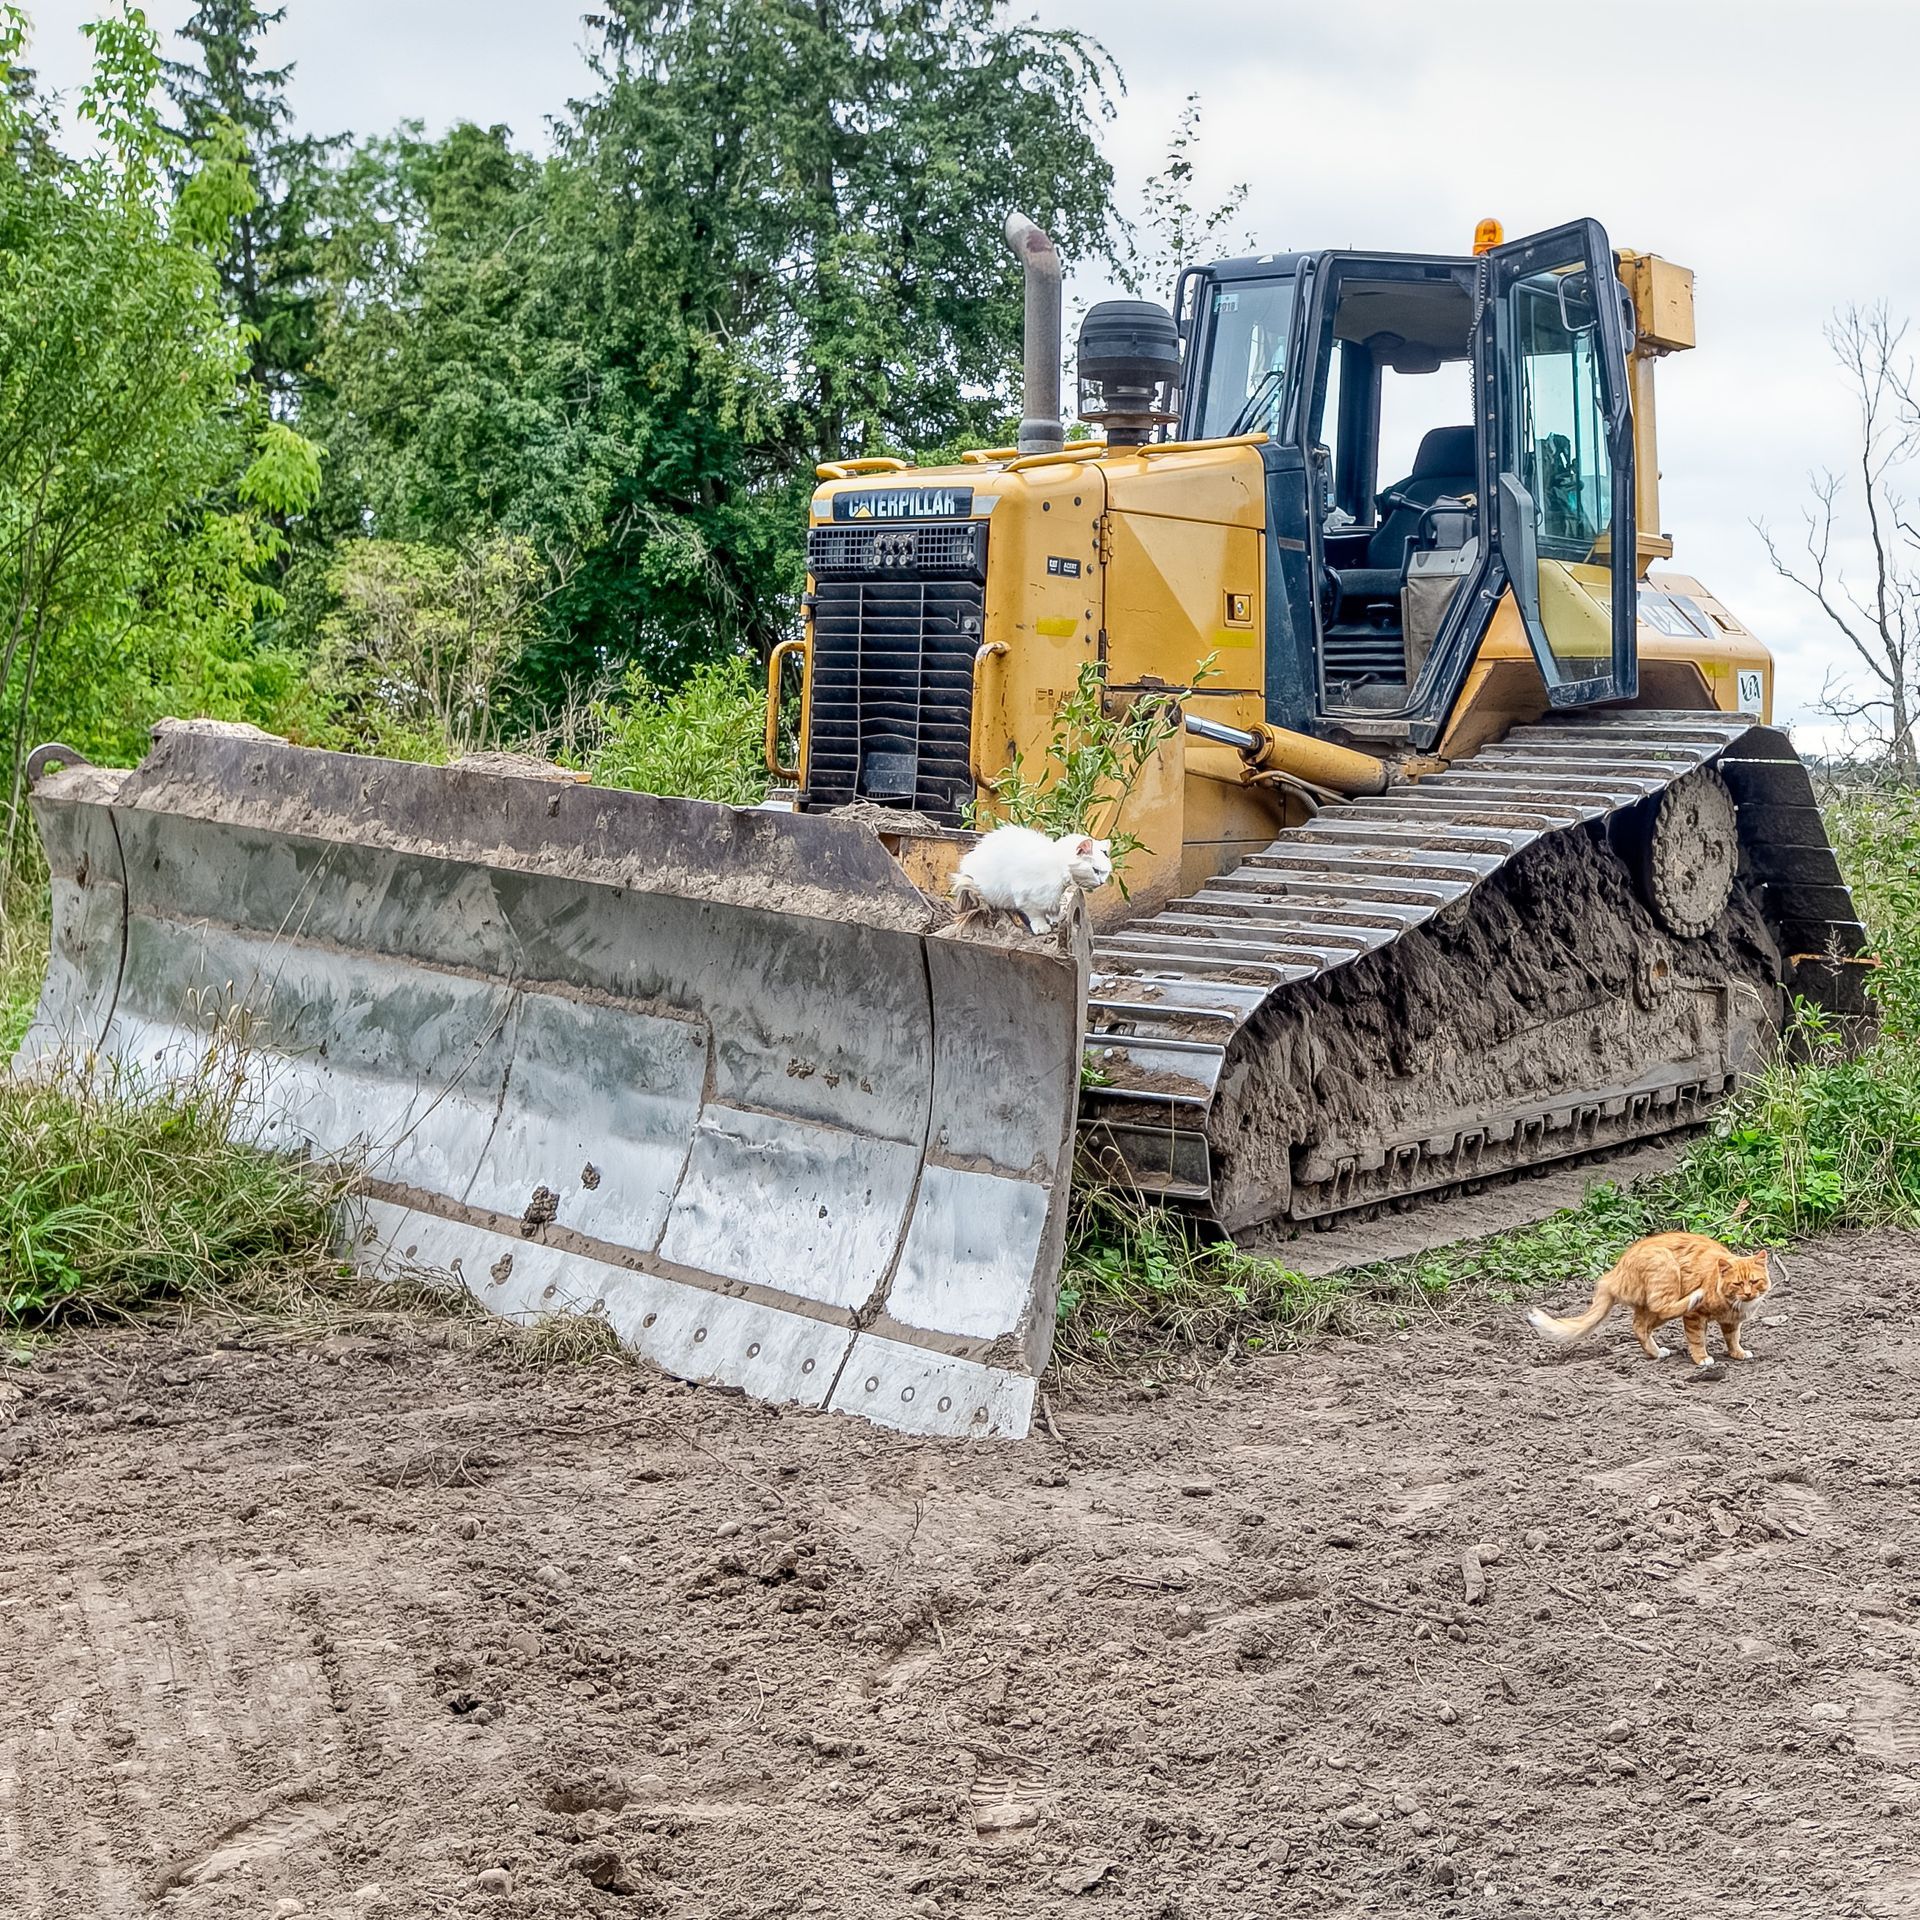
(1247, 325)
(1564, 458)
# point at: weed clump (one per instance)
(1139, 1279)
(703, 741)
(1094, 760)
(116, 1194)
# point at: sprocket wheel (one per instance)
(1693, 853)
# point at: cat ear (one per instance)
(1084, 848)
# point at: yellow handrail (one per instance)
(980, 456)
(775, 661)
(1082, 449)
(981, 655)
(1201, 446)
(848, 469)
(1073, 451)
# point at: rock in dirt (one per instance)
(602, 1867)
(496, 1881)
(1473, 1576)
(1083, 1879)
(1448, 1715)
(1362, 1819)
(1420, 1820)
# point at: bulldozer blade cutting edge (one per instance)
(719, 1075)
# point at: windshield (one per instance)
(1247, 323)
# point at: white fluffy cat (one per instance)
(1021, 871)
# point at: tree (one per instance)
(268, 263)
(137, 487)
(1879, 621)
(768, 236)
(420, 653)
(1172, 233)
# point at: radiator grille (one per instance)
(952, 548)
(893, 679)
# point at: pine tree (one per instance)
(269, 269)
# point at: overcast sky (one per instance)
(1766, 145)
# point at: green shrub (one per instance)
(1093, 762)
(703, 741)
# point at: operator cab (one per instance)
(1438, 426)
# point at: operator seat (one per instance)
(1443, 469)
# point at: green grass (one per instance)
(1816, 1142)
(115, 1195)
(23, 959)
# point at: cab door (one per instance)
(1556, 447)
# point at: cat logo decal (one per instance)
(904, 503)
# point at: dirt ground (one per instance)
(372, 1626)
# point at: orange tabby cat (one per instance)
(1672, 1276)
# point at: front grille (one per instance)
(949, 548)
(893, 655)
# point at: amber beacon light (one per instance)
(1488, 235)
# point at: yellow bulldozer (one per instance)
(1473, 850)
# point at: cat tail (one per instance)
(1549, 1328)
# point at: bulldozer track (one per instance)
(1175, 996)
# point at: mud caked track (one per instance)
(1553, 947)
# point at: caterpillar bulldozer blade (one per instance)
(722, 1076)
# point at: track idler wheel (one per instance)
(1692, 854)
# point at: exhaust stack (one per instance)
(1040, 428)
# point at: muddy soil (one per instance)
(1441, 1621)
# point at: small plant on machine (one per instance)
(1093, 763)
